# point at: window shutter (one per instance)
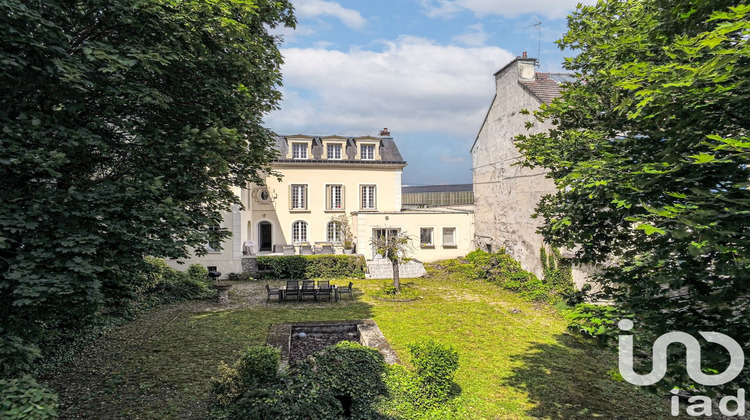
(304, 197)
(343, 198)
(329, 196)
(291, 194)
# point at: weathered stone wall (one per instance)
(383, 269)
(505, 194)
(249, 266)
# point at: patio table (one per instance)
(282, 292)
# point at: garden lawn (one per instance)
(516, 359)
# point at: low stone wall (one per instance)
(250, 266)
(383, 269)
(280, 336)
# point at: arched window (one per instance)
(334, 232)
(299, 231)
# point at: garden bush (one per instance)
(427, 391)
(434, 364)
(501, 269)
(346, 378)
(312, 266)
(198, 273)
(24, 398)
(256, 368)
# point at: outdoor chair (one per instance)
(271, 292)
(308, 289)
(344, 290)
(288, 250)
(324, 289)
(305, 250)
(326, 249)
(292, 289)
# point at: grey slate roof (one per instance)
(388, 151)
(437, 188)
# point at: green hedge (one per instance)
(312, 266)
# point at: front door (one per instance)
(264, 236)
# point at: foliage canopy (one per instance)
(650, 154)
(125, 126)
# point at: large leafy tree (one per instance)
(650, 153)
(125, 126)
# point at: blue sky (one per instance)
(422, 68)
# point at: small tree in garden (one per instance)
(395, 247)
(345, 229)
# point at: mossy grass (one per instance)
(516, 359)
(407, 293)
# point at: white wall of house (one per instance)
(451, 232)
(271, 211)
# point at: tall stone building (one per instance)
(506, 194)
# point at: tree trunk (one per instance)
(396, 282)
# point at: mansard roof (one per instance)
(389, 153)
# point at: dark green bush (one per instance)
(312, 266)
(16, 355)
(252, 388)
(24, 398)
(198, 273)
(256, 368)
(413, 396)
(434, 364)
(348, 369)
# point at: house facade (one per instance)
(324, 178)
(506, 194)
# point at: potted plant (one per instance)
(346, 232)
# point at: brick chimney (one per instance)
(384, 132)
(526, 67)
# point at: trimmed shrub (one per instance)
(413, 394)
(349, 370)
(346, 378)
(434, 364)
(24, 398)
(257, 367)
(312, 266)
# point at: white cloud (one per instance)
(552, 9)
(412, 85)
(317, 8)
(475, 36)
(291, 35)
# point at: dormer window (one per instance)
(334, 151)
(299, 150)
(367, 151)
